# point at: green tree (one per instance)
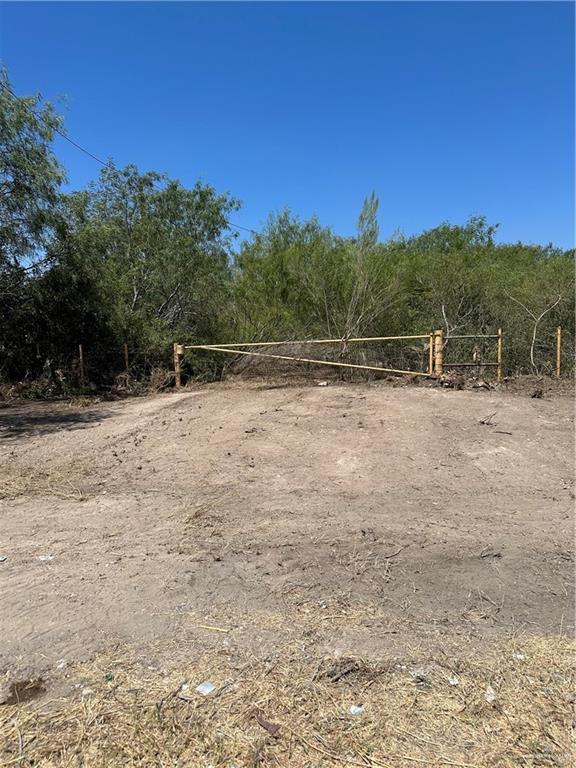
(153, 259)
(372, 286)
(30, 177)
(139, 258)
(288, 280)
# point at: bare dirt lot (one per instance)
(346, 521)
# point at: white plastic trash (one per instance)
(490, 694)
(205, 688)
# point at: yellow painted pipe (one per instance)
(305, 360)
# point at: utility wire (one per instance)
(59, 132)
(102, 162)
(246, 229)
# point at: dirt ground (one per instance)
(404, 552)
(350, 518)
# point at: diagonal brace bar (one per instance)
(305, 360)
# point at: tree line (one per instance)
(137, 258)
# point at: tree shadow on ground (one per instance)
(33, 419)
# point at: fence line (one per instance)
(302, 341)
(299, 360)
(439, 363)
(472, 336)
(81, 361)
(499, 355)
(470, 365)
(437, 344)
(438, 353)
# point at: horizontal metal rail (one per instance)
(473, 336)
(304, 341)
(213, 348)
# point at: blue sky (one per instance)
(443, 109)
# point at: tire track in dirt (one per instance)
(267, 509)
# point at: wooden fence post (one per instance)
(126, 361)
(499, 356)
(177, 369)
(558, 351)
(431, 354)
(81, 360)
(439, 352)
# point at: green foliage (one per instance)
(296, 279)
(29, 181)
(138, 258)
(289, 280)
(29, 174)
(159, 250)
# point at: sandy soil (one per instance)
(347, 518)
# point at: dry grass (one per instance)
(83, 401)
(293, 711)
(63, 481)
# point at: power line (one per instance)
(59, 132)
(102, 162)
(246, 229)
